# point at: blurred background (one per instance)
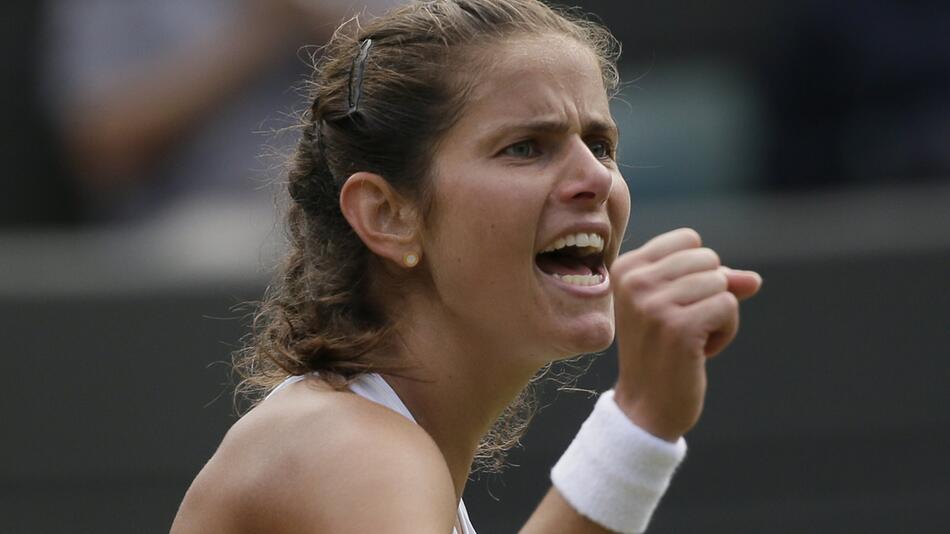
(808, 140)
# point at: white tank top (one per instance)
(373, 387)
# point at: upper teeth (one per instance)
(577, 240)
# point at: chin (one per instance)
(592, 336)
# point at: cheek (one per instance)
(490, 212)
(462, 233)
(482, 236)
(619, 204)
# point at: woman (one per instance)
(456, 221)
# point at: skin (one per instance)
(530, 159)
(181, 88)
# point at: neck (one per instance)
(458, 385)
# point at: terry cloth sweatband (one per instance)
(614, 472)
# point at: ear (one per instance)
(385, 221)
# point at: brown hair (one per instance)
(318, 314)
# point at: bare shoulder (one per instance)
(311, 459)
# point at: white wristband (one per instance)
(614, 472)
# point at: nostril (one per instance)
(585, 195)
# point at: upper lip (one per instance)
(599, 228)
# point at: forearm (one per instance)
(116, 132)
(554, 514)
(611, 478)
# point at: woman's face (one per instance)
(530, 167)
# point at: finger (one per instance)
(685, 262)
(719, 317)
(659, 247)
(665, 244)
(694, 287)
(743, 284)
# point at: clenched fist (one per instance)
(676, 306)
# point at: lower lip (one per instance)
(594, 291)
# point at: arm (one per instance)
(675, 307)
(115, 132)
(554, 514)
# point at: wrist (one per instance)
(615, 473)
(644, 417)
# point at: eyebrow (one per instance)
(556, 126)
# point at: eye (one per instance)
(601, 149)
(522, 149)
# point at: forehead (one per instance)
(553, 77)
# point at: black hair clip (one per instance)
(315, 143)
(356, 78)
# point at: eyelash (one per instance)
(609, 149)
(531, 144)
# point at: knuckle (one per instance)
(624, 263)
(722, 281)
(625, 282)
(711, 256)
(730, 301)
(635, 281)
(691, 237)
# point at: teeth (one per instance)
(581, 279)
(577, 240)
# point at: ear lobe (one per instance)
(384, 220)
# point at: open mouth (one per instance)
(576, 259)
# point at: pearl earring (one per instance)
(410, 259)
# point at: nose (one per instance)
(587, 180)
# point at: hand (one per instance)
(288, 24)
(675, 306)
(310, 20)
